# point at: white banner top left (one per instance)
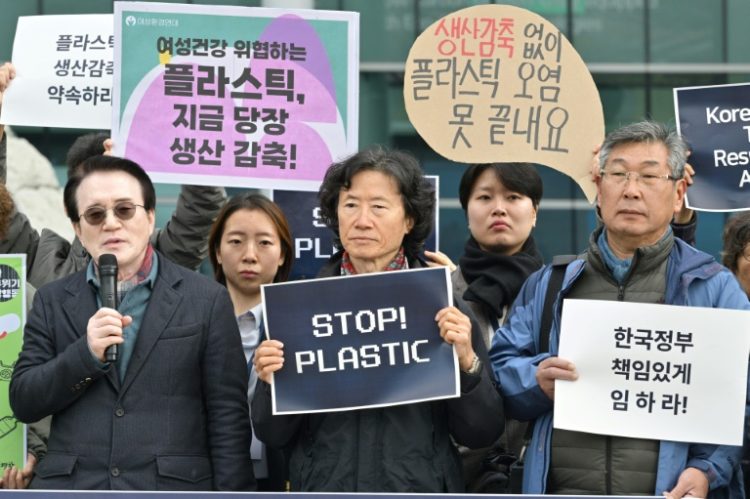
(63, 72)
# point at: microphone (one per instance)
(108, 294)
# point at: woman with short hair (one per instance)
(380, 207)
(501, 201)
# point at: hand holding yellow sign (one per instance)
(496, 83)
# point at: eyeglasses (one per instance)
(124, 210)
(647, 179)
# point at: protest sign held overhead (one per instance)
(373, 337)
(63, 72)
(715, 121)
(654, 371)
(235, 96)
(499, 83)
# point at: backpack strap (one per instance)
(559, 264)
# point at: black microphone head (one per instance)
(108, 264)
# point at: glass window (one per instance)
(386, 29)
(609, 31)
(686, 31)
(738, 36)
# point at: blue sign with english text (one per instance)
(715, 121)
(360, 341)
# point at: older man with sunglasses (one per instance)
(170, 413)
(632, 257)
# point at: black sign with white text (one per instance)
(715, 121)
(360, 341)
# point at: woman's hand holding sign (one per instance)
(455, 329)
(269, 358)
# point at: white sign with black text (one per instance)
(654, 371)
(64, 71)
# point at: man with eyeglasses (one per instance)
(633, 256)
(171, 412)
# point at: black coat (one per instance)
(179, 419)
(404, 448)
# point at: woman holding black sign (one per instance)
(380, 207)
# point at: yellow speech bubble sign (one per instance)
(497, 83)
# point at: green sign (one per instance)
(12, 320)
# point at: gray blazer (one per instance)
(178, 421)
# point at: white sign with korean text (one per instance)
(63, 72)
(654, 371)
